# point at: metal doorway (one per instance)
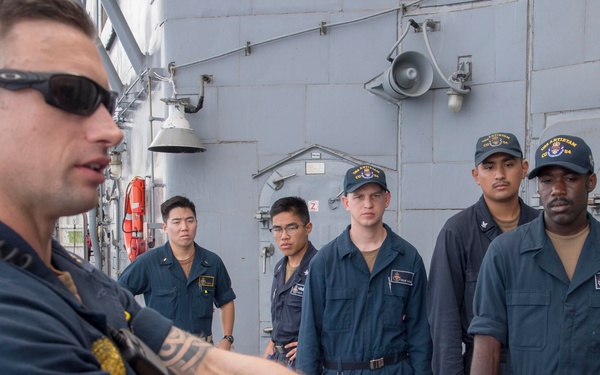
(319, 181)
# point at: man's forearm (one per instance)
(227, 318)
(185, 354)
(486, 356)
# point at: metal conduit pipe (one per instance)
(93, 223)
(151, 233)
(115, 196)
(316, 28)
(389, 56)
(460, 88)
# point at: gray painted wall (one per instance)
(535, 70)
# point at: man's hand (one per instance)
(291, 355)
(224, 344)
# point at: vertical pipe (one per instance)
(117, 240)
(151, 232)
(94, 237)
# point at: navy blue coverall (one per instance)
(286, 302)
(525, 300)
(44, 329)
(188, 302)
(459, 250)
(352, 315)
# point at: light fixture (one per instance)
(455, 100)
(115, 165)
(176, 135)
(457, 89)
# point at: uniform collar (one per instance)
(485, 220)
(63, 261)
(167, 257)
(306, 258)
(199, 265)
(538, 237)
(546, 257)
(391, 242)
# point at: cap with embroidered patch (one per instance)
(362, 175)
(565, 151)
(495, 143)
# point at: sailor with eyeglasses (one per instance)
(58, 313)
(291, 227)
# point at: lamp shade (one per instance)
(176, 135)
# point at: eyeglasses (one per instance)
(72, 93)
(290, 229)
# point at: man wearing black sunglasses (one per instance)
(59, 314)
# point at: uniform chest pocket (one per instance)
(295, 301)
(164, 301)
(339, 310)
(527, 319)
(203, 301)
(594, 322)
(394, 304)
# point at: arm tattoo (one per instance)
(183, 353)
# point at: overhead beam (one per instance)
(119, 23)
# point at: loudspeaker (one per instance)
(410, 75)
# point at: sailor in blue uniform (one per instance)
(291, 227)
(77, 315)
(538, 290)
(462, 243)
(182, 280)
(363, 308)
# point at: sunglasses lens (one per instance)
(110, 101)
(79, 95)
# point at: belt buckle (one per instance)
(280, 349)
(375, 364)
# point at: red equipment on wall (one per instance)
(133, 223)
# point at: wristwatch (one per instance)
(228, 338)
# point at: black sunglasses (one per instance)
(75, 94)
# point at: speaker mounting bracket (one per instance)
(431, 26)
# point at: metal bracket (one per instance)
(323, 28)
(464, 69)
(332, 201)
(281, 180)
(431, 26)
(266, 252)
(262, 216)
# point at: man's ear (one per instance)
(309, 227)
(592, 182)
(525, 165)
(475, 175)
(344, 200)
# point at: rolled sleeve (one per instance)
(223, 293)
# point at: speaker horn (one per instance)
(410, 75)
